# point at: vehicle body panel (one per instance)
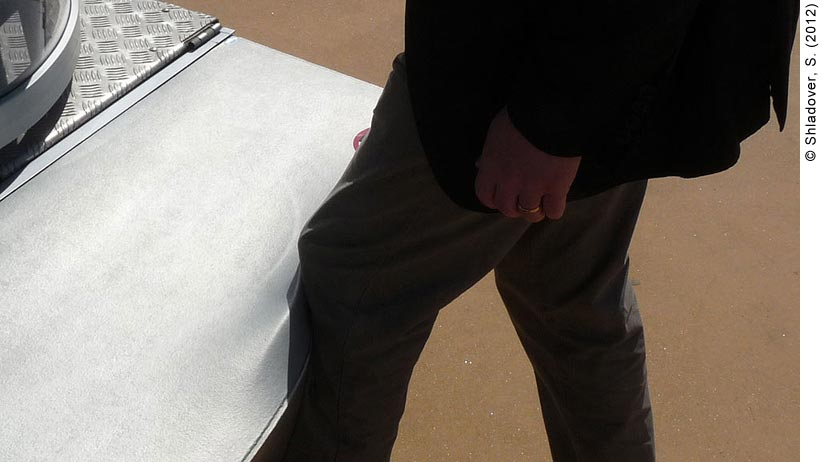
(147, 276)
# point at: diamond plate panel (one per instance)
(123, 43)
(14, 55)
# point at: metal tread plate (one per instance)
(15, 59)
(123, 43)
(14, 54)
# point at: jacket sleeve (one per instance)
(786, 17)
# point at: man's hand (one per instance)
(514, 176)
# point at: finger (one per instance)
(484, 187)
(505, 199)
(553, 206)
(531, 201)
(533, 217)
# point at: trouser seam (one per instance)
(357, 315)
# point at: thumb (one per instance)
(553, 205)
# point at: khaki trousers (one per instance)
(387, 250)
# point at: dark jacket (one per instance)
(638, 88)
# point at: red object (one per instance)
(359, 137)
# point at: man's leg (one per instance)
(566, 287)
(383, 254)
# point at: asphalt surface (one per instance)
(715, 264)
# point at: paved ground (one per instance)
(716, 261)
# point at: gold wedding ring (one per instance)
(522, 209)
